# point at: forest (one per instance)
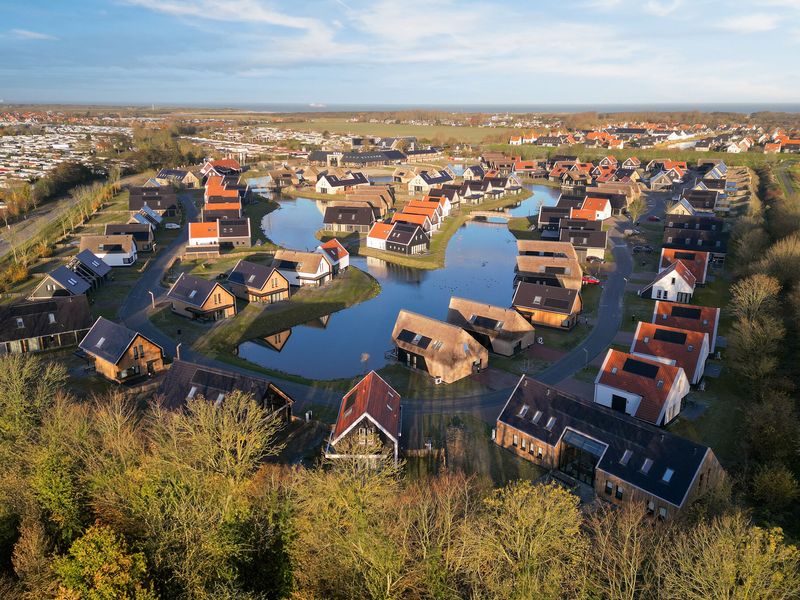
(116, 497)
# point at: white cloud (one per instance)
(755, 23)
(26, 34)
(662, 8)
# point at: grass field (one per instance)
(440, 134)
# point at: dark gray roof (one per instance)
(250, 274)
(171, 174)
(139, 231)
(96, 265)
(229, 228)
(552, 214)
(349, 215)
(404, 233)
(161, 198)
(579, 224)
(618, 431)
(570, 200)
(696, 239)
(108, 340)
(545, 297)
(184, 380)
(25, 320)
(584, 239)
(224, 215)
(69, 280)
(191, 290)
(703, 222)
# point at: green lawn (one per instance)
(257, 320)
(416, 384)
(520, 228)
(107, 298)
(636, 309)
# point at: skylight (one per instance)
(523, 411)
(668, 473)
(646, 465)
(536, 417)
(192, 294)
(625, 457)
(550, 422)
(100, 342)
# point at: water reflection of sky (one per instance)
(479, 266)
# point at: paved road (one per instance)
(36, 221)
(786, 179)
(486, 406)
(610, 311)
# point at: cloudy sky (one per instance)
(399, 51)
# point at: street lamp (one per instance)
(152, 298)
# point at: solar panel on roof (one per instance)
(485, 322)
(556, 303)
(673, 337)
(424, 342)
(686, 312)
(638, 367)
(406, 336)
(685, 255)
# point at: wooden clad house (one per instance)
(201, 299)
(548, 305)
(184, 381)
(303, 268)
(444, 351)
(114, 250)
(337, 255)
(369, 417)
(121, 354)
(549, 270)
(258, 283)
(553, 249)
(623, 459)
(43, 324)
(142, 234)
(500, 330)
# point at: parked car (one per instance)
(590, 280)
(654, 218)
(642, 249)
(172, 226)
(595, 260)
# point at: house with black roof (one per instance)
(623, 459)
(713, 242)
(201, 299)
(548, 305)
(142, 234)
(408, 238)
(551, 216)
(43, 324)
(703, 222)
(358, 219)
(162, 200)
(61, 281)
(234, 233)
(255, 282)
(121, 354)
(588, 244)
(184, 381)
(90, 266)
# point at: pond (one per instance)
(479, 266)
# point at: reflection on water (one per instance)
(479, 265)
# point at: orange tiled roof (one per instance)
(203, 230)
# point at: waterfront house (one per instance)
(646, 389)
(370, 418)
(425, 180)
(499, 330)
(422, 221)
(43, 324)
(446, 352)
(547, 305)
(121, 354)
(337, 255)
(377, 236)
(303, 268)
(671, 345)
(348, 219)
(205, 233)
(546, 248)
(408, 238)
(588, 244)
(331, 184)
(255, 282)
(201, 299)
(624, 460)
(549, 270)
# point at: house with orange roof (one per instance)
(421, 220)
(673, 346)
(516, 140)
(599, 209)
(222, 210)
(676, 283)
(204, 234)
(695, 260)
(772, 148)
(689, 316)
(378, 234)
(443, 201)
(646, 389)
(337, 254)
(369, 419)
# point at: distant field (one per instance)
(438, 133)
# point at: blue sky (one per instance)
(399, 52)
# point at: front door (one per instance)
(618, 403)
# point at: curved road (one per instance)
(133, 313)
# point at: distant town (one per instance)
(603, 305)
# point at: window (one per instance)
(619, 493)
(523, 411)
(51, 318)
(614, 370)
(515, 441)
(539, 452)
(646, 465)
(550, 422)
(609, 488)
(651, 507)
(523, 444)
(625, 457)
(135, 352)
(662, 513)
(20, 323)
(668, 473)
